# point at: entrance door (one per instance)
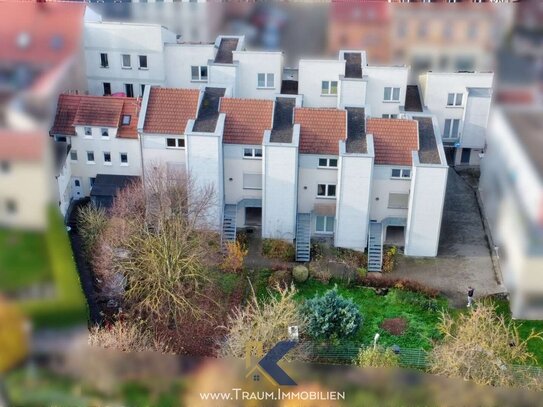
(466, 154)
(77, 188)
(253, 216)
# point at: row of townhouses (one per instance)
(334, 149)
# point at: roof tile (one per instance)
(393, 139)
(320, 129)
(26, 146)
(169, 110)
(246, 120)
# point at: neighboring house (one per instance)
(511, 188)
(124, 57)
(25, 186)
(461, 103)
(102, 134)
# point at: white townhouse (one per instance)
(101, 133)
(302, 173)
(124, 57)
(511, 188)
(461, 103)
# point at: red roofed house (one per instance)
(102, 138)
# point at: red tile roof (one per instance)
(246, 120)
(321, 129)
(106, 111)
(40, 33)
(22, 146)
(393, 140)
(168, 110)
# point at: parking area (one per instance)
(464, 257)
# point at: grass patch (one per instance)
(227, 282)
(23, 259)
(420, 312)
(524, 328)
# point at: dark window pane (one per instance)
(321, 190)
(322, 162)
(331, 190)
(170, 142)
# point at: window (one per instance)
(329, 88)
(390, 116)
(266, 80)
(11, 206)
(4, 166)
(324, 224)
(401, 173)
(73, 155)
(126, 119)
(126, 62)
(402, 28)
(90, 157)
(175, 142)
(103, 61)
(92, 180)
(142, 88)
(454, 99)
(392, 94)
(472, 30)
(452, 127)
(423, 29)
(447, 30)
(129, 90)
(326, 190)
(252, 181)
(60, 139)
(398, 201)
(104, 132)
(143, 61)
(466, 154)
(124, 159)
(88, 131)
(107, 88)
(107, 158)
(328, 162)
(252, 153)
(77, 183)
(199, 73)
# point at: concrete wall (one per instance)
(178, 61)
(279, 208)
(156, 153)
(383, 185)
(251, 63)
(426, 201)
(311, 74)
(352, 210)
(223, 75)
(353, 93)
(380, 77)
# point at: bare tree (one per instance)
(483, 347)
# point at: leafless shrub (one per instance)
(126, 336)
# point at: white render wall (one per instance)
(223, 75)
(476, 121)
(155, 152)
(64, 186)
(353, 92)
(382, 186)
(352, 210)
(311, 74)
(178, 61)
(251, 63)
(429, 183)
(99, 145)
(279, 197)
(380, 77)
(205, 167)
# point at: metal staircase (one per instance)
(229, 223)
(375, 247)
(303, 237)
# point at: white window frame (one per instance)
(106, 66)
(126, 120)
(129, 66)
(398, 206)
(104, 156)
(268, 80)
(106, 131)
(146, 67)
(327, 188)
(89, 134)
(124, 164)
(326, 220)
(457, 99)
(200, 78)
(404, 173)
(448, 133)
(329, 88)
(251, 153)
(254, 188)
(5, 166)
(93, 161)
(71, 157)
(389, 116)
(328, 163)
(392, 91)
(177, 141)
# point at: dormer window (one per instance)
(105, 132)
(88, 131)
(126, 119)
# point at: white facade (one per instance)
(311, 74)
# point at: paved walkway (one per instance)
(463, 257)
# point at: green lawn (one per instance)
(421, 318)
(524, 328)
(23, 259)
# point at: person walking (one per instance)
(471, 290)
